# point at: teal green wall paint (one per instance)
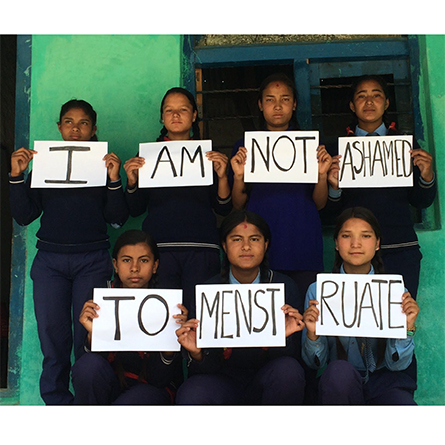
(124, 78)
(430, 339)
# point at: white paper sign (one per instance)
(69, 164)
(240, 315)
(175, 164)
(375, 161)
(136, 320)
(356, 305)
(281, 156)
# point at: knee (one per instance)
(89, 367)
(287, 369)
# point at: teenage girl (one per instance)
(181, 219)
(291, 210)
(391, 206)
(72, 244)
(128, 378)
(254, 376)
(350, 378)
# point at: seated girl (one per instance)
(369, 370)
(268, 376)
(128, 378)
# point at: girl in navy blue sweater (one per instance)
(391, 206)
(252, 376)
(72, 244)
(128, 378)
(182, 219)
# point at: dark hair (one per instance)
(131, 238)
(367, 216)
(279, 77)
(196, 134)
(229, 223)
(354, 86)
(83, 105)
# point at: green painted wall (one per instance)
(125, 77)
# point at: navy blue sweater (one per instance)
(72, 220)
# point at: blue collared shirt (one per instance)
(317, 353)
(233, 280)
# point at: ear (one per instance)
(155, 266)
(351, 106)
(266, 243)
(260, 105)
(94, 131)
(336, 245)
(115, 265)
(387, 104)
(224, 247)
(377, 246)
(59, 126)
(195, 115)
(295, 105)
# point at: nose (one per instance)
(134, 266)
(246, 245)
(355, 241)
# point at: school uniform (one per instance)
(71, 260)
(294, 221)
(251, 376)
(182, 221)
(391, 206)
(126, 378)
(348, 379)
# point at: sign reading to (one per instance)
(136, 320)
(175, 164)
(69, 164)
(358, 305)
(240, 315)
(281, 156)
(375, 161)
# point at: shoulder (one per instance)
(217, 279)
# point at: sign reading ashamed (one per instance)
(175, 164)
(69, 164)
(281, 156)
(375, 161)
(358, 305)
(240, 315)
(136, 320)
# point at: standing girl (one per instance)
(360, 371)
(128, 378)
(253, 376)
(291, 210)
(391, 206)
(72, 244)
(181, 219)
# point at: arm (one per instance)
(399, 352)
(320, 194)
(222, 203)
(136, 202)
(86, 317)
(25, 203)
(424, 189)
(239, 194)
(116, 209)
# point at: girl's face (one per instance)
(369, 103)
(76, 125)
(277, 105)
(357, 243)
(135, 265)
(178, 116)
(245, 247)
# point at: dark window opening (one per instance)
(229, 101)
(7, 88)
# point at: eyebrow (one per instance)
(374, 89)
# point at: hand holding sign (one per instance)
(20, 160)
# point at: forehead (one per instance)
(245, 229)
(356, 224)
(176, 99)
(278, 88)
(135, 250)
(369, 85)
(76, 113)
